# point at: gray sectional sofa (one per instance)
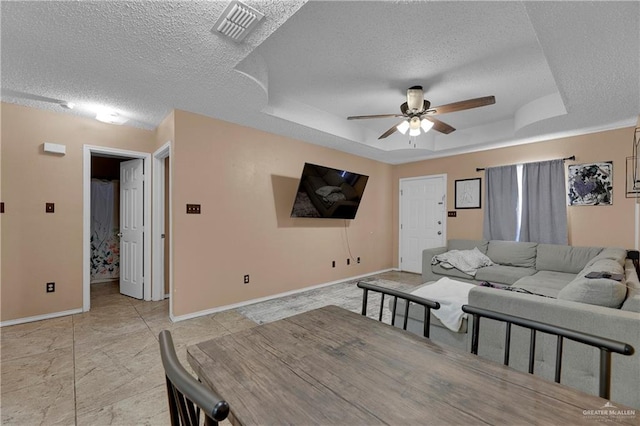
(560, 294)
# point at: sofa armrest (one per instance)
(579, 363)
(427, 255)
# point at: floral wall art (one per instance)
(591, 184)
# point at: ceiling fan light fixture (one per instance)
(414, 123)
(414, 132)
(415, 98)
(403, 127)
(426, 125)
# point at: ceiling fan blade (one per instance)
(440, 126)
(390, 131)
(361, 117)
(23, 95)
(462, 105)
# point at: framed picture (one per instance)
(468, 193)
(633, 178)
(591, 184)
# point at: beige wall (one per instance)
(588, 225)
(246, 181)
(166, 130)
(38, 247)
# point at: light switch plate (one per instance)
(193, 208)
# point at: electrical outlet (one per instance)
(51, 287)
(246, 279)
(49, 207)
(348, 261)
(358, 260)
(333, 264)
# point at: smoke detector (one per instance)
(237, 21)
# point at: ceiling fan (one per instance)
(23, 95)
(417, 113)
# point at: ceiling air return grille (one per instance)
(237, 20)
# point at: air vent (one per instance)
(237, 21)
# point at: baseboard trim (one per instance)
(264, 299)
(40, 317)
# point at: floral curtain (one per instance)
(105, 244)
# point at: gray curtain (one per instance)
(500, 212)
(544, 203)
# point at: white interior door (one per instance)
(422, 218)
(132, 228)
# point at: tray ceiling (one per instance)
(555, 68)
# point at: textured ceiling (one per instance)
(555, 68)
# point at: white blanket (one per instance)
(467, 261)
(451, 295)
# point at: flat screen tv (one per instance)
(325, 192)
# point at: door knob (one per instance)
(119, 234)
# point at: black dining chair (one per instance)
(408, 298)
(605, 345)
(187, 396)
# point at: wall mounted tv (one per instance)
(325, 192)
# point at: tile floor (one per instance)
(103, 367)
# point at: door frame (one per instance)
(158, 223)
(87, 151)
(446, 197)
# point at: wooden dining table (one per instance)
(330, 366)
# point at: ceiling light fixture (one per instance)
(110, 117)
(403, 127)
(237, 20)
(67, 105)
(426, 125)
(413, 125)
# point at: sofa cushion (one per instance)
(548, 283)
(632, 302)
(597, 291)
(561, 258)
(468, 245)
(453, 272)
(503, 274)
(513, 253)
(612, 253)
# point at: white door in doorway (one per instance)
(422, 218)
(132, 228)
